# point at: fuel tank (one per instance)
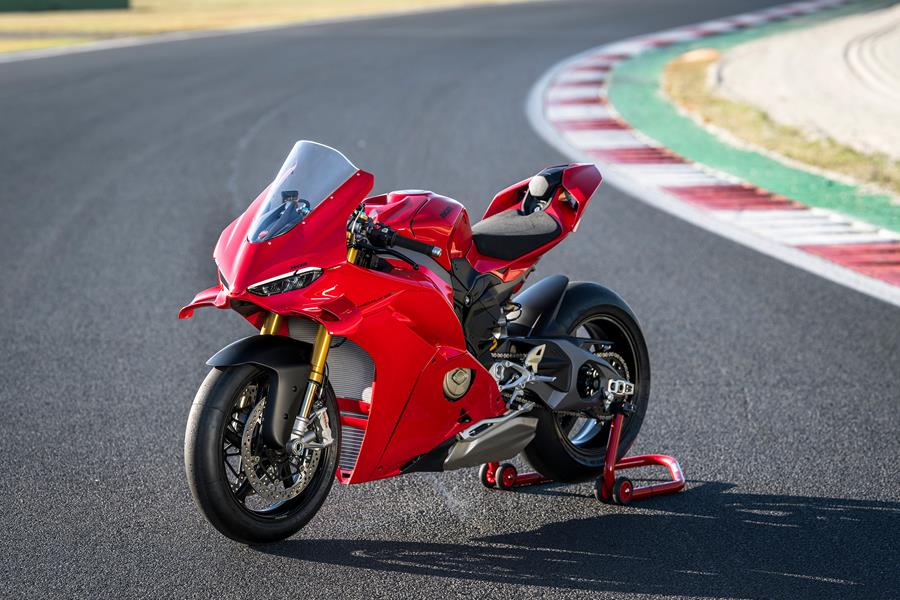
(427, 217)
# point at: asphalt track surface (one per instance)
(777, 390)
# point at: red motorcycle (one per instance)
(371, 362)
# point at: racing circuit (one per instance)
(776, 389)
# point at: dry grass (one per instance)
(685, 82)
(160, 16)
(34, 43)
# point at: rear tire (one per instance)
(205, 466)
(552, 453)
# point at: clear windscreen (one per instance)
(309, 175)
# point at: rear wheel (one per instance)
(572, 447)
(249, 492)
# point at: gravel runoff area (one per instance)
(847, 89)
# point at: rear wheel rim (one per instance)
(585, 438)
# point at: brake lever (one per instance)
(400, 255)
(366, 245)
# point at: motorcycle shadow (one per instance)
(707, 541)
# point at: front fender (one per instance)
(288, 359)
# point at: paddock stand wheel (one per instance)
(487, 474)
(505, 476)
(622, 491)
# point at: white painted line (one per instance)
(572, 93)
(627, 48)
(812, 227)
(677, 35)
(771, 215)
(603, 139)
(731, 225)
(598, 61)
(581, 76)
(576, 112)
(806, 227)
(671, 175)
(715, 27)
(836, 239)
(751, 19)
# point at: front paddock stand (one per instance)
(608, 488)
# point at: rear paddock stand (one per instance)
(608, 488)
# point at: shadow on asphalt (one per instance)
(703, 542)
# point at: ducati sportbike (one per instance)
(393, 338)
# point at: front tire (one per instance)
(567, 448)
(227, 500)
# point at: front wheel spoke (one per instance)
(287, 478)
(237, 473)
(243, 490)
(233, 438)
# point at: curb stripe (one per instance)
(569, 108)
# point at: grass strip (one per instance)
(163, 16)
(685, 81)
(635, 92)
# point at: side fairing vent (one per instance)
(351, 442)
(351, 373)
(350, 368)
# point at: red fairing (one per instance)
(319, 241)
(579, 180)
(427, 217)
(404, 319)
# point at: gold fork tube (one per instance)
(319, 355)
(271, 325)
(316, 370)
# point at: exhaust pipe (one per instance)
(492, 440)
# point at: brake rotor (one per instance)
(266, 470)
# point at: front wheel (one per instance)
(249, 492)
(572, 447)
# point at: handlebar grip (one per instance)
(416, 246)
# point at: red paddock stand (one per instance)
(608, 488)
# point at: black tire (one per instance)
(205, 467)
(551, 453)
(598, 491)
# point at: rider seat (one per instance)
(511, 234)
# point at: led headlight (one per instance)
(286, 283)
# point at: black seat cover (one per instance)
(509, 234)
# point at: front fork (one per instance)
(317, 362)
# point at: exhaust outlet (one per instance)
(501, 440)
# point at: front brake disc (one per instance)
(266, 471)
